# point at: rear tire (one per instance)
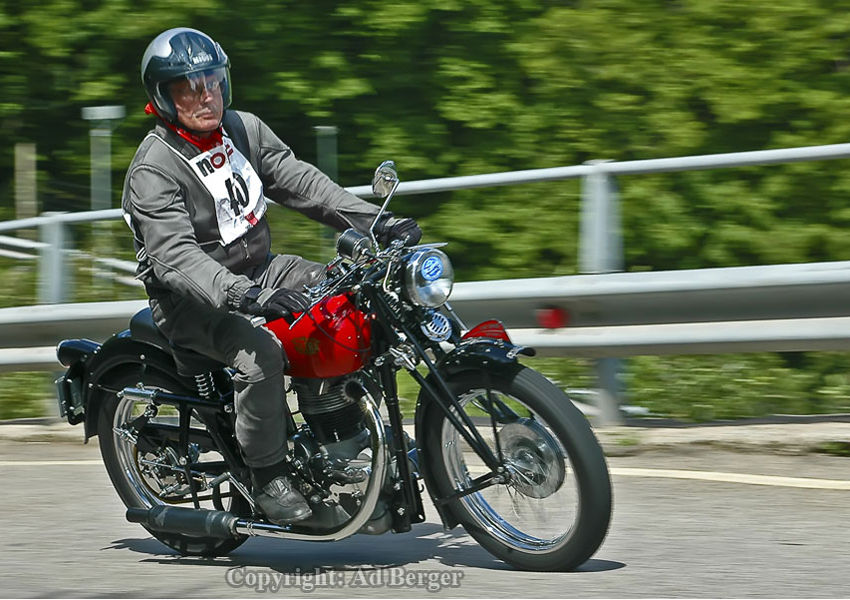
(121, 458)
(555, 461)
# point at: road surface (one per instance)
(696, 523)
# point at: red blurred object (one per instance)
(552, 317)
(489, 329)
(337, 340)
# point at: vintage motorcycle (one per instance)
(501, 449)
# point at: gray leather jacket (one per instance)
(174, 222)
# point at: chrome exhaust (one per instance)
(189, 521)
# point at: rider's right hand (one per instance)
(273, 303)
(390, 228)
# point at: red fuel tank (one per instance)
(333, 340)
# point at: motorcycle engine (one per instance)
(333, 446)
(331, 409)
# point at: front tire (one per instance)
(554, 512)
(136, 487)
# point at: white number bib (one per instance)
(234, 186)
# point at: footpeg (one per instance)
(338, 470)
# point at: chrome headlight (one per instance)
(428, 277)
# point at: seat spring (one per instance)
(206, 385)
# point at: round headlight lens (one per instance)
(428, 277)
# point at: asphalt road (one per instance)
(677, 531)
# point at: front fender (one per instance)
(481, 353)
(473, 354)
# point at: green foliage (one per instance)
(734, 386)
(18, 282)
(717, 387)
(707, 388)
(26, 395)
(449, 88)
(836, 448)
(459, 88)
(704, 388)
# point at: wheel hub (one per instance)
(533, 458)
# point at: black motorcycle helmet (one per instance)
(181, 52)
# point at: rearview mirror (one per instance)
(385, 179)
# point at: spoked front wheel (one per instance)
(552, 509)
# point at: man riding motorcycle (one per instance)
(195, 197)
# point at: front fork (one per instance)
(450, 406)
(448, 403)
(443, 395)
(406, 506)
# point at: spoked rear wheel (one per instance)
(148, 476)
(554, 509)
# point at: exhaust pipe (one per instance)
(224, 525)
(188, 521)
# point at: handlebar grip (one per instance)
(262, 320)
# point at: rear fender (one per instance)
(111, 362)
(72, 352)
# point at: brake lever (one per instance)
(302, 315)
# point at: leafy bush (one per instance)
(26, 395)
(726, 386)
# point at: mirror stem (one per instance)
(380, 214)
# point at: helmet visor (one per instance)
(200, 85)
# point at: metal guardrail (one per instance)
(29, 359)
(48, 324)
(780, 335)
(687, 296)
(740, 309)
(600, 246)
(612, 300)
(784, 335)
(612, 168)
(600, 251)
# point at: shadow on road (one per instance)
(597, 565)
(425, 542)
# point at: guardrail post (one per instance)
(52, 274)
(26, 200)
(103, 120)
(328, 163)
(601, 251)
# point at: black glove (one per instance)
(273, 303)
(390, 228)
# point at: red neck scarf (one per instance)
(203, 144)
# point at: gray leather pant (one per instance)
(254, 352)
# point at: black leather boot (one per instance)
(277, 497)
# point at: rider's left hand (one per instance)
(273, 303)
